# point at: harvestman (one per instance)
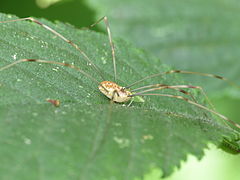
(123, 94)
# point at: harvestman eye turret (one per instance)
(118, 93)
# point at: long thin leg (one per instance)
(130, 103)
(105, 19)
(182, 72)
(86, 58)
(193, 103)
(162, 86)
(49, 62)
(176, 87)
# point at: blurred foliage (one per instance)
(216, 165)
(46, 3)
(82, 13)
(74, 12)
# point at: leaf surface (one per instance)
(87, 137)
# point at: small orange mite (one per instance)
(56, 103)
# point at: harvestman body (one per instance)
(118, 93)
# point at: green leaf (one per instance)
(231, 146)
(198, 35)
(88, 137)
(46, 3)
